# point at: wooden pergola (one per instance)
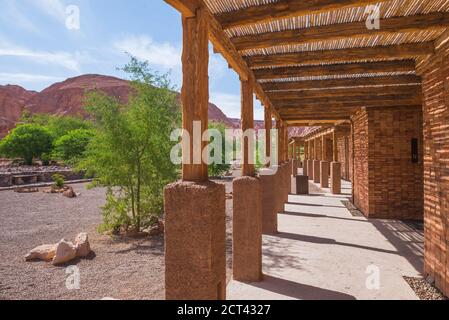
(308, 62)
(317, 60)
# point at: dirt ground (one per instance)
(120, 269)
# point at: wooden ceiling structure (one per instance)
(316, 61)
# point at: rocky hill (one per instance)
(66, 98)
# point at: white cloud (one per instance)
(68, 60)
(12, 15)
(145, 48)
(53, 8)
(20, 78)
(230, 104)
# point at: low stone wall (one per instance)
(7, 178)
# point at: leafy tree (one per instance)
(130, 152)
(57, 125)
(72, 146)
(27, 141)
(218, 169)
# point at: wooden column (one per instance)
(247, 123)
(195, 224)
(195, 93)
(280, 138)
(286, 143)
(315, 148)
(323, 148)
(268, 127)
(335, 145)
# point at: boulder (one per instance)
(45, 252)
(65, 252)
(69, 193)
(82, 245)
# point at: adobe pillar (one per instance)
(247, 203)
(316, 163)
(325, 165)
(195, 231)
(268, 182)
(335, 166)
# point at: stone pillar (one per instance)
(335, 167)
(316, 163)
(324, 176)
(325, 165)
(336, 178)
(270, 200)
(247, 205)
(195, 226)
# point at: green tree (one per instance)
(57, 125)
(218, 169)
(27, 141)
(130, 152)
(72, 146)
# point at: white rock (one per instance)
(65, 252)
(45, 252)
(82, 245)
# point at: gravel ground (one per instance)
(118, 268)
(424, 290)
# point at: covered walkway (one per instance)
(322, 251)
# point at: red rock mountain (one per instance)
(66, 98)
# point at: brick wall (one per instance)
(395, 182)
(387, 183)
(435, 78)
(343, 144)
(360, 183)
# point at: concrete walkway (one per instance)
(323, 252)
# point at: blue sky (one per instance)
(39, 44)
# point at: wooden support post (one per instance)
(195, 94)
(247, 94)
(268, 126)
(335, 145)
(316, 163)
(195, 224)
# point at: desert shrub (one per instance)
(72, 146)
(27, 141)
(130, 151)
(58, 180)
(218, 169)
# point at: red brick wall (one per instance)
(435, 78)
(360, 183)
(343, 143)
(387, 183)
(395, 182)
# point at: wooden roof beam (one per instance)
(285, 9)
(223, 44)
(336, 69)
(346, 92)
(291, 106)
(350, 99)
(389, 26)
(400, 51)
(343, 83)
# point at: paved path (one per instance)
(323, 252)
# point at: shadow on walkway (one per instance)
(406, 239)
(320, 240)
(314, 205)
(299, 291)
(311, 215)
